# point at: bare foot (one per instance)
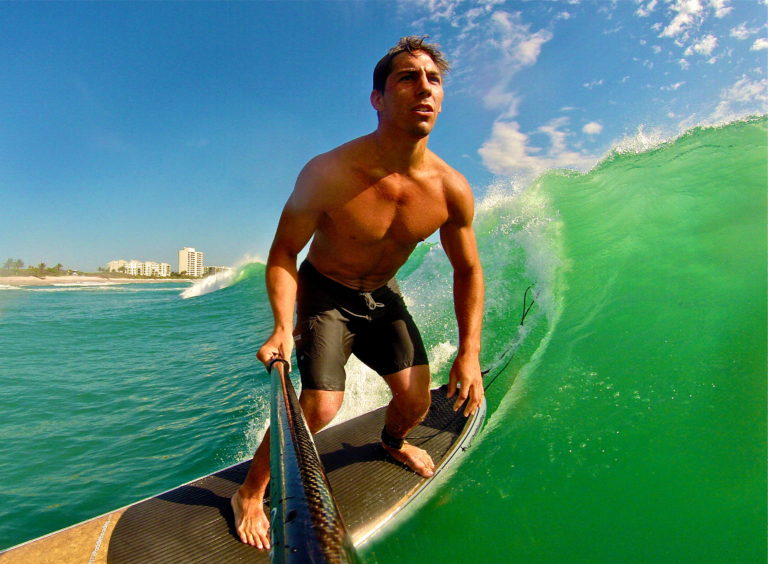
(415, 458)
(251, 523)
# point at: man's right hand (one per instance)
(279, 345)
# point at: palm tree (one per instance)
(41, 269)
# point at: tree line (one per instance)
(16, 266)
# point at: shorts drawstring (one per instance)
(370, 302)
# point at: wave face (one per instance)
(635, 428)
(627, 413)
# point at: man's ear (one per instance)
(376, 100)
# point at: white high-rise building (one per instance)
(191, 262)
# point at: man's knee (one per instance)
(320, 407)
(320, 416)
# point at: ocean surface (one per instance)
(626, 414)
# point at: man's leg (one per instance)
(251, 523)
(410, 404)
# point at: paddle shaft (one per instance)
(306, 525)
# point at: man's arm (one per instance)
(298, 222)
(458, 240)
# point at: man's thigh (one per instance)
(389, 345)
(323, 345)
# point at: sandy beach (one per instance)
(85, 280)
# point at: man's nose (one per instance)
(425, 86)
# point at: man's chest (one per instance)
(400, 212)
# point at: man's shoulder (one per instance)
(337, 161)
(325, 179)
(456, 191)
(454, 183)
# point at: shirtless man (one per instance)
(366, 205)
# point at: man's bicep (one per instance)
(294, 230)
(457, 234)
(460, 246)
(301, 213)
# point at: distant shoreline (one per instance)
(84, 280)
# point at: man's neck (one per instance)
(398, 152)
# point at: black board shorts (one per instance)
(334, 321)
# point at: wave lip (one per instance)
(221, 280)
(209, 284)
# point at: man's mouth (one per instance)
(423, 108)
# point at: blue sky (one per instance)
(129, 130)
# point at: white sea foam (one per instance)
(643, 140)
(84, 284)
(209, 284)
(218, 281)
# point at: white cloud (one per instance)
(500, 45)
(510, 152)
(703, 46)
(742, 31)
(437, 9)
(759, 44)
(673, 87)
(592, 128)
(721, 8)
(689, 13)
(591, 85)
(745, 97)
(688, 17)
(645, 11)
(515, 42)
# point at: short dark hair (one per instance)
(408, 44)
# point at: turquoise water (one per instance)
(627, 418)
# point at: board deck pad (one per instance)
(194, 522)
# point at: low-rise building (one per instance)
(209, 270)
(140, 268)
(157, 269)
(116, 266)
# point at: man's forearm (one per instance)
(281, 275)
(468, 295)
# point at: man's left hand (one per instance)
(466, 373)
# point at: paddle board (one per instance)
(194, 522)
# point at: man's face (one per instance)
(413, 94)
